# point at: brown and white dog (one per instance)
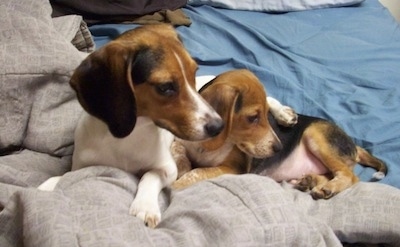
(315, 153)
(136, 90)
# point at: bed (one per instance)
(337, 60)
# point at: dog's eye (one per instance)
(253, 118)
(167, 89)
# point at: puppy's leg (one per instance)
(320, 140)
(237, 162)
(314, 183)
(178, 152)
(284, 115)
(200, 174)
(145, 205)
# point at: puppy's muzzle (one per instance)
(214, 127)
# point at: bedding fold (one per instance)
(90, 207)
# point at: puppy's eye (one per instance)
(167, 89)
(253, 118)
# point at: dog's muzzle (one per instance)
(214, 127)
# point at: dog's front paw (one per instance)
(286, 116)
(304, 184)
(150, 214)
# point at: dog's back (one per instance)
(277, 166)
(318, 147)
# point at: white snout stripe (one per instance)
(204, 110)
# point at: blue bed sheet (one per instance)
(342, 64)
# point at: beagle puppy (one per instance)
(310, 152)
(138, 91)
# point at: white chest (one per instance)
(147, 146)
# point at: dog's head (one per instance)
(145, 72)
(240, 99)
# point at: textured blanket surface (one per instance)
(90, 208)
(38, 108)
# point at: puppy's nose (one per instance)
(277, 147)
(214, 127)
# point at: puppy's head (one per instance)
(240, 99)
(145, 72)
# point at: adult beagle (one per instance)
(136, 91)
(311, 152)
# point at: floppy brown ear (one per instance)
(225, 100)
(103, 88)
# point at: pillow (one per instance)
(274, 5)
(38, 108)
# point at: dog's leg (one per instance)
(200, 174)
(283, 114)
(178, 152)
(145, 205)
(311, 181)
(325, 188)
(338, 164)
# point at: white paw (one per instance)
(286, 116)
(148, 212)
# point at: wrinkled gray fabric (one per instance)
(90, 208)
(38, 108)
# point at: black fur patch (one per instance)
(144, 62)
(339, 139)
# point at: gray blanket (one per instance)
(90, 208)
(38, 114)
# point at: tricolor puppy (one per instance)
(136, 91)
(314, 154)
(240, 99)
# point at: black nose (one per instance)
(214, 127)
(277, 147)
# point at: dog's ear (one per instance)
(104, 87)
(226, 100)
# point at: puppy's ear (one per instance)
(225, 100)
(104, 87)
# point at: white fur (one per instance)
(203, 110)
(299, 163)
(378, 175)
(283, 114)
